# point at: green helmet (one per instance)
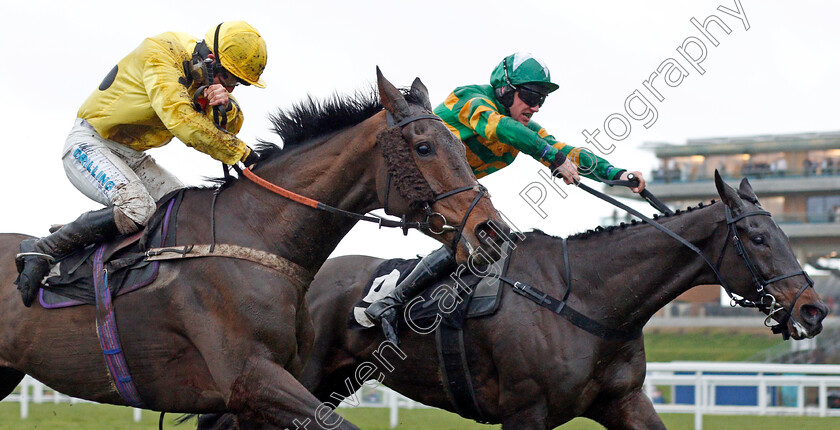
(522, 68)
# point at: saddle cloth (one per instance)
(70, 282)
(478, 295)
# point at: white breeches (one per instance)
(115, 175)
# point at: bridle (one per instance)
(765, 301)
(428, 213)
(402, 223)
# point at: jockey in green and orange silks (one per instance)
(494, 122)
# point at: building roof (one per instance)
(747, 144)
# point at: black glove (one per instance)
(251, 157)
(559, 159)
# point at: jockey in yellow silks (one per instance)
(162, 89)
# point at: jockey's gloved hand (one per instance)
(251, 157)
(564, 169)
(559, 159)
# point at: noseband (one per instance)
(430, 214)
(766, 302)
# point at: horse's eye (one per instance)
(424, 148)
(758, 240)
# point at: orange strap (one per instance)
(279, 190)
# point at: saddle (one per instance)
(479, 296)
(71, 281)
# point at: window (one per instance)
(823, 209)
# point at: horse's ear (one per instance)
(728, 194)
(746, 192)
(391, 98)
(419, 90)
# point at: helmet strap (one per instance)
(217, 61)
(216, 43)
(507, 78)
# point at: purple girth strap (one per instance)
(106, 328)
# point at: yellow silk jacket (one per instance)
(145, 102)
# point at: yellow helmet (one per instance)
(241, 50)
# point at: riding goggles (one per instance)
(228, 79)
(531, 97)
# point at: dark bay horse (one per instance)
(533, 369)
(223, 334)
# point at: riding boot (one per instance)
(37, 255)
(429, 269)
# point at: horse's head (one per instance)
(428, 166)
(764, 270)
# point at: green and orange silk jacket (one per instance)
(493, 139)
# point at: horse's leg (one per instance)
(266, 393)
(9, 380)
(305, 336)
(332, 386)
(633, 411)
(531, 418)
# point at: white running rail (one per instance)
(814, 385)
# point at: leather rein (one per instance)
(291, 270)
(402, 223)
(765, 302)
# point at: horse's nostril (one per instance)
(813, 314)
(491, 233)
(484, 232)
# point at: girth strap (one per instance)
(455, 371)
(109, 338)
(292, 271)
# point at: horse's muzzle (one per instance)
(811, 316)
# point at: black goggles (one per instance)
(228, 79)
(530, 97)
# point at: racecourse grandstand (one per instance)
(795, 176)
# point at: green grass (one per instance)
(422, 419)
(661, 345)
(103, 417)
(707, 344)
(80, 416)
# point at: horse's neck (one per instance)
(641, 271)
(340, 171)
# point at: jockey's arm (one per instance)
(173, 105)
(591, 165)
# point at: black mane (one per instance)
(309, 119)
(312, 118)
(601, 229)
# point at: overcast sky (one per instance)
(779, 76)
